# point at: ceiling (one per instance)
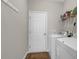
(53, 0)
(58, 0)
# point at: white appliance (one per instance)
(51, 43)
(66, 48)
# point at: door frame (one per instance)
(46, 27)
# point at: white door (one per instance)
(37, 31)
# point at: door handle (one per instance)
(44, 33)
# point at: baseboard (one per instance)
(24, 55)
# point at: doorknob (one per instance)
(44, 33)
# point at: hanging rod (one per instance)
(10, 5)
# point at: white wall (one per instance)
(54, 21)
(54, 10)
(14, 30)
(69, 5)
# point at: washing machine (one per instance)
(51, 44)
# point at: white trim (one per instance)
(10, 5)
(25, 55)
